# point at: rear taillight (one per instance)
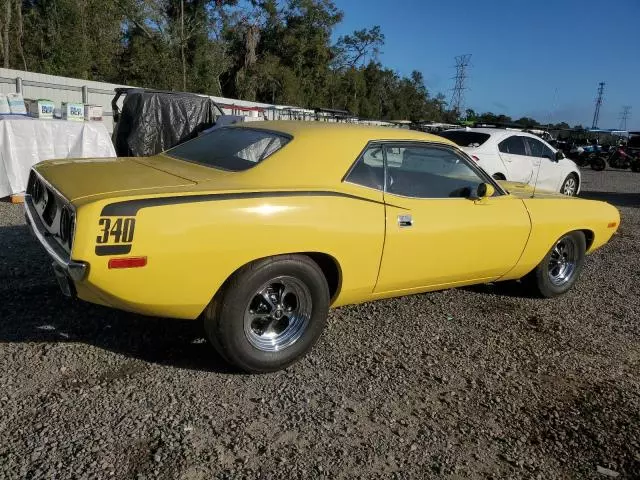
(66, 225)
(36, 190)
(475, 159)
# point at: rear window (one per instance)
(234, 149)
(462, 138)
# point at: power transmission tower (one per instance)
(624, 116)
(457, 97)
(596, 114)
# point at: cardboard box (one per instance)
(41, 108)
(93, 113)
(73, 111)
(4, 104)
(16, 103)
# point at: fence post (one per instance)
(18, 85)
(85, 94)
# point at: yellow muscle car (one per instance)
(260, 228)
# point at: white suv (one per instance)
(518, 157)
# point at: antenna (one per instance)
(624, 116)
(457, 97)
(535, 183)
(596, 114)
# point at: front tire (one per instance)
(269, 314)
(570, 185)
(560, 268)
(598, 164)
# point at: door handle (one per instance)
(405, 221)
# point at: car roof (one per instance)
(320, 153)
(497, 133)
(356, 132)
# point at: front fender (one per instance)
(551, 218)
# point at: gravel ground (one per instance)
(478, 382)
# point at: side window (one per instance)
(538, 149)
(368, 170)
(513, 145)
(430, 172)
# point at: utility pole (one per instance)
(624, 116)
(596, 114)
(457, 97)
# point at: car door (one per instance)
(436, 233)
(546, 170)
(513, 153)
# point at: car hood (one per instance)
(81, 178)
(524, 190)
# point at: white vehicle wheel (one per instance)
(570, 185)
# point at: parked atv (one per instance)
(617, 158)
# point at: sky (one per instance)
(542, 59)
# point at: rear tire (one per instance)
(570, 185)
(269, 314)
(635, 166)
(560, 268)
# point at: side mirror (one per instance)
(559, 155)
(485, 190)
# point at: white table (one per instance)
(25, 141)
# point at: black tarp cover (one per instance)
(153, 121)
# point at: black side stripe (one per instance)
(102, 250)
(130, 208)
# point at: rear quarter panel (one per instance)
(551, 218)
(192, 248)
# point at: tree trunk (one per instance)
(5, 32)
(184, 63)
(20, 33)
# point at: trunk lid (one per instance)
(81, 178)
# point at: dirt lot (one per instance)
(478, 382)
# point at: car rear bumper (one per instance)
(64, 267)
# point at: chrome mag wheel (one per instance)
(570, 186)
(278, 314)
(563, 261)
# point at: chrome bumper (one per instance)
(76, 270)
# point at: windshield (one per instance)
(234, 149)
(463, 138)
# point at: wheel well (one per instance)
(589, 237)
(330, 269)
(329, 266)
(499, 176)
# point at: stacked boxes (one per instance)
(16, 103)
(40, 108)
(13, 103)
(4, 104)
(93, 113)
(73, 111)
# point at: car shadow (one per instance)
(614, 198)
(33, 309)
(503, 289)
